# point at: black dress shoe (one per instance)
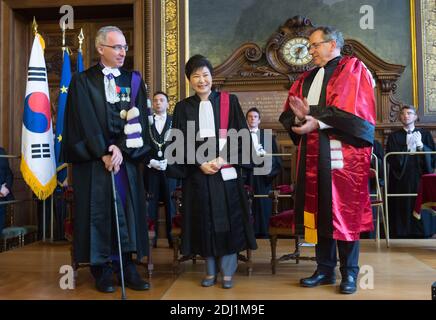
(348, 285)
(104, 282)
(132, 279)
(318, 279)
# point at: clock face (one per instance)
(295, 52)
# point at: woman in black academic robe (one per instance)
(216, 222)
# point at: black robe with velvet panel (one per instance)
(91, 126)
(215, 212)
(404, 174)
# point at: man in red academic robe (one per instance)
(330, 115)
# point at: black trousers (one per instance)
(161, 187)
(326, 257)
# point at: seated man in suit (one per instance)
(6, 179)
(156, 181)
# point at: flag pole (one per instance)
(51, 219)
(81, 37)
(63, 36)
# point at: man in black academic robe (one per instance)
(261, 184)
(157, 183)
(405, 172)
(6, 180)
(95, 142)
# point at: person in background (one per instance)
(6, 180)
(405, 172)
(157, 183)
(261, 184)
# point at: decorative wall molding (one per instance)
(428, 18)
(170, 13)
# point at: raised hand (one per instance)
(299, 107)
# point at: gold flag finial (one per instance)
(34, 26)
(81, 38)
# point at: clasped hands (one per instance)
(301, 110)
(213, 166)
(113, 162)
(416, 139)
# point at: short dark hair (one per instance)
(195, 62)
(331, 33)
(162, 93)
(408, 107)
(254, 109)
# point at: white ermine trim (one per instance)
(132, 128)
(132, 113)
(134, 143)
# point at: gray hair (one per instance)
(101, 36)
(331, 33)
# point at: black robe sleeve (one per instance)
(276, 161)
(347, 127)
(83, 138)
(238, 122)
(429, 164)
(178, 170)
(287, 119)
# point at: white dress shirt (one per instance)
(159, 122)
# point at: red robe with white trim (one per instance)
(335, 200)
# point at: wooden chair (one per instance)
(377, 201)
(282, 226)
(11, 236)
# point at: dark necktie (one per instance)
(409, 131)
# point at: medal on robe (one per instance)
(159, 153)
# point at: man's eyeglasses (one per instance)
(117, 47)
(315, 45)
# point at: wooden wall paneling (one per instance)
(6, 54)
(139, 35)
(21, 46)
(152, 46)
(25, 4)
(259, 77)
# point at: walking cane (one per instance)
(123, 289)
